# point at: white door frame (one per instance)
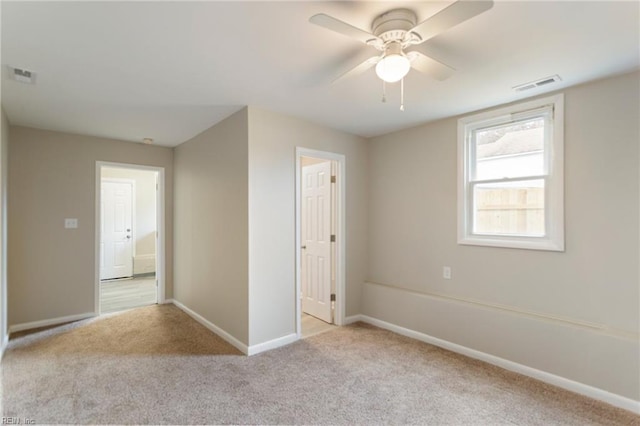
(339, 313)
(160, 227)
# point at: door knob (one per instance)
(128, 236)
(303, 247)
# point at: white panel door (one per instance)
(316, 240)
(116, 245)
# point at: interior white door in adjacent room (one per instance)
(316, 240)
(116, 242)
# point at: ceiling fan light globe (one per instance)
(393, 68)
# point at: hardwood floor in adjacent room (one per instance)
(312, 326)
(118, 295)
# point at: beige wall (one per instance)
(574, 314)
(211, 225)
(145, 215)
(235, 221)
(273, 139)
(4, 144)
(52, 177)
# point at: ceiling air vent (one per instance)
(537, 83)
(22, 75)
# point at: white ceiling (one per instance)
(169, 70)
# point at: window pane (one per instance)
(510, 151)
(509, 208)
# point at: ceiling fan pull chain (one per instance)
(402, 95)
(384, 92)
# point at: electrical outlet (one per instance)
(71, 223)
(446, 272)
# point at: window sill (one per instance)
(517, 243)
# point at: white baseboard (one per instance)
(272, 344)
(3, 345)
(53, 321)
(214, 328)
(573, 386)
(167, 301)
(352, 319)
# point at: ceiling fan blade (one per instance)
(358, 69)
(343, 28)
(448, 17)
(429, 66)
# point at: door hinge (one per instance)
(333, 239)
(333, 179)
(333, 297)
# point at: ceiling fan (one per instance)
(397, 30)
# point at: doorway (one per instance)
(129, 224)
(319, 233)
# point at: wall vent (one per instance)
(537, 83)
(22, 76)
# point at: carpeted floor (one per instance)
(155, 365)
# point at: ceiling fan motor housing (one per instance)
(393, 48)
(393, 25)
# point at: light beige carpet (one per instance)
(155, 365)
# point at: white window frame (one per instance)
(553, 239)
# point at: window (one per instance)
(510, 176)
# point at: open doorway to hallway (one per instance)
(318, 232)
(128, 237)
